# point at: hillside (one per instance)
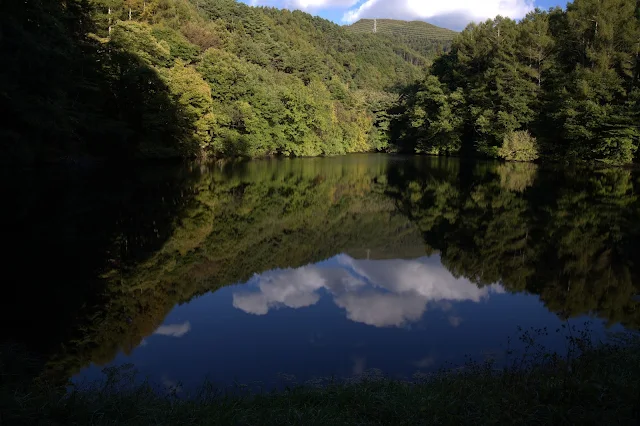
(425, 38)
(168, 78)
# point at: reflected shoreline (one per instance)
(566, 235)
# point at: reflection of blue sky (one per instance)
(336, 318)
(381, 293)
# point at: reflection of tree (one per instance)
(568, 236)
(244, 219)
(592, 231)
(83, 223)
(493, 229)
(565, 235)
(517, 176)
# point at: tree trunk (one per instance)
(636, 71)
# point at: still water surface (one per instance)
(324, 267)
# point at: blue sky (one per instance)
(454, 14)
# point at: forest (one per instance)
(130, 79)
(127, 79)
(560, 84)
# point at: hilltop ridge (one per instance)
(423, 37)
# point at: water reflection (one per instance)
(383, 293)
(570, 235)
(388, 240)
(173, 330)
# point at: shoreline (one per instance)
(598, 386)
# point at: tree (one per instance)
(568, 77)
(436, 118)
(193, 95)
(602, 36)
(536, 45)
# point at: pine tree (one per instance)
(594, 109)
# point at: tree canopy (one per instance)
(570, 77)
(187, 78)
(166, 78)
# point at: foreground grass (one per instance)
(600, 386)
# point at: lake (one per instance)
(282, 270)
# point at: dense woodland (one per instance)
(129, 79)
(166, 78)
(568, 77)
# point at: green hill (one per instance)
(420, 36)
(169, 78)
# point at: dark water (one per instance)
(314, 267)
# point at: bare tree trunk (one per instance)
(636, 71)
(539, 73)
(109, 21)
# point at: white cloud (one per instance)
(306, 4)
(386, 293)
(174, 330)
(454, 14)
(451, 13)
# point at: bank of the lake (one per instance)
(599, 386)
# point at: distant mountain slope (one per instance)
(421, 36)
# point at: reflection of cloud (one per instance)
(291, 288)
(382, 309)
(497, 289)
(380, 293)
(359, 365)
(424, 277)
(455, 321)
(174, 330)
(425, 362)
(446, 306)
(171, 386)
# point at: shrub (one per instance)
(519, 146)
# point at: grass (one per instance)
(591, 384)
